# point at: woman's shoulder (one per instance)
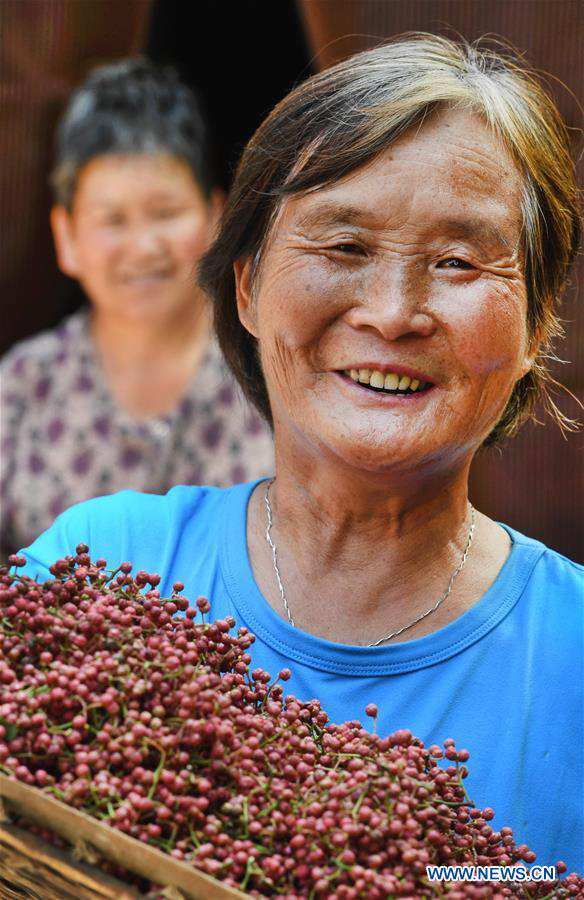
(147, 529)
(129, 507)
(547, 559)
(44, 350)
(551, 582)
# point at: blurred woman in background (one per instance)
(131, 391)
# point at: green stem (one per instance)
(357, 806)
(158, 770)
(246, 816)
(248, 872)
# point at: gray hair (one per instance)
(130, 107)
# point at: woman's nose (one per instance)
(393, 305)
(145, 239)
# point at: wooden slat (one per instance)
(120, 848)
(48, 873)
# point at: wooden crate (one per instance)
(31, 869)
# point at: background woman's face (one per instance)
(413, 261)
(134, 235)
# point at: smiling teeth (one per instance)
(389, 382)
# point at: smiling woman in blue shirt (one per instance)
(385, 282)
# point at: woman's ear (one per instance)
(62, 228)
(246, 307)
(534, 344)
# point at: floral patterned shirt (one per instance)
(64, 438)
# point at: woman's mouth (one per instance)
(387, 382)
(145, 278)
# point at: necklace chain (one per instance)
(393, 633)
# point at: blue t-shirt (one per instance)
(504, 680)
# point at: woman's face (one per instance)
(412, 266)
(136, 230)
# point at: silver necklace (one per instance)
(393, 633)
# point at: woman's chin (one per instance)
(148, 309)
(377, 453)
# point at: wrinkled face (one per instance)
(390, 308)
(134, 235)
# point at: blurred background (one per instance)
(241, 58)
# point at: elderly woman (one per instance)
(385, 284)
(132, 391)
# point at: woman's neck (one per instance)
(362, 556)
(347, 515)
(148, 366)
(126, 342)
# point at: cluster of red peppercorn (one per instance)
(120, 704)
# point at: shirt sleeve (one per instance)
(69, 529)
(141, 528)
(13, 397)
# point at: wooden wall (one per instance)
(47, 47)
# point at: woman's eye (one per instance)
(113, 221)
(167, 212)
(347, 247)
(454, 262)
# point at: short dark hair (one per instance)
(130, 106)
(339, 120)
